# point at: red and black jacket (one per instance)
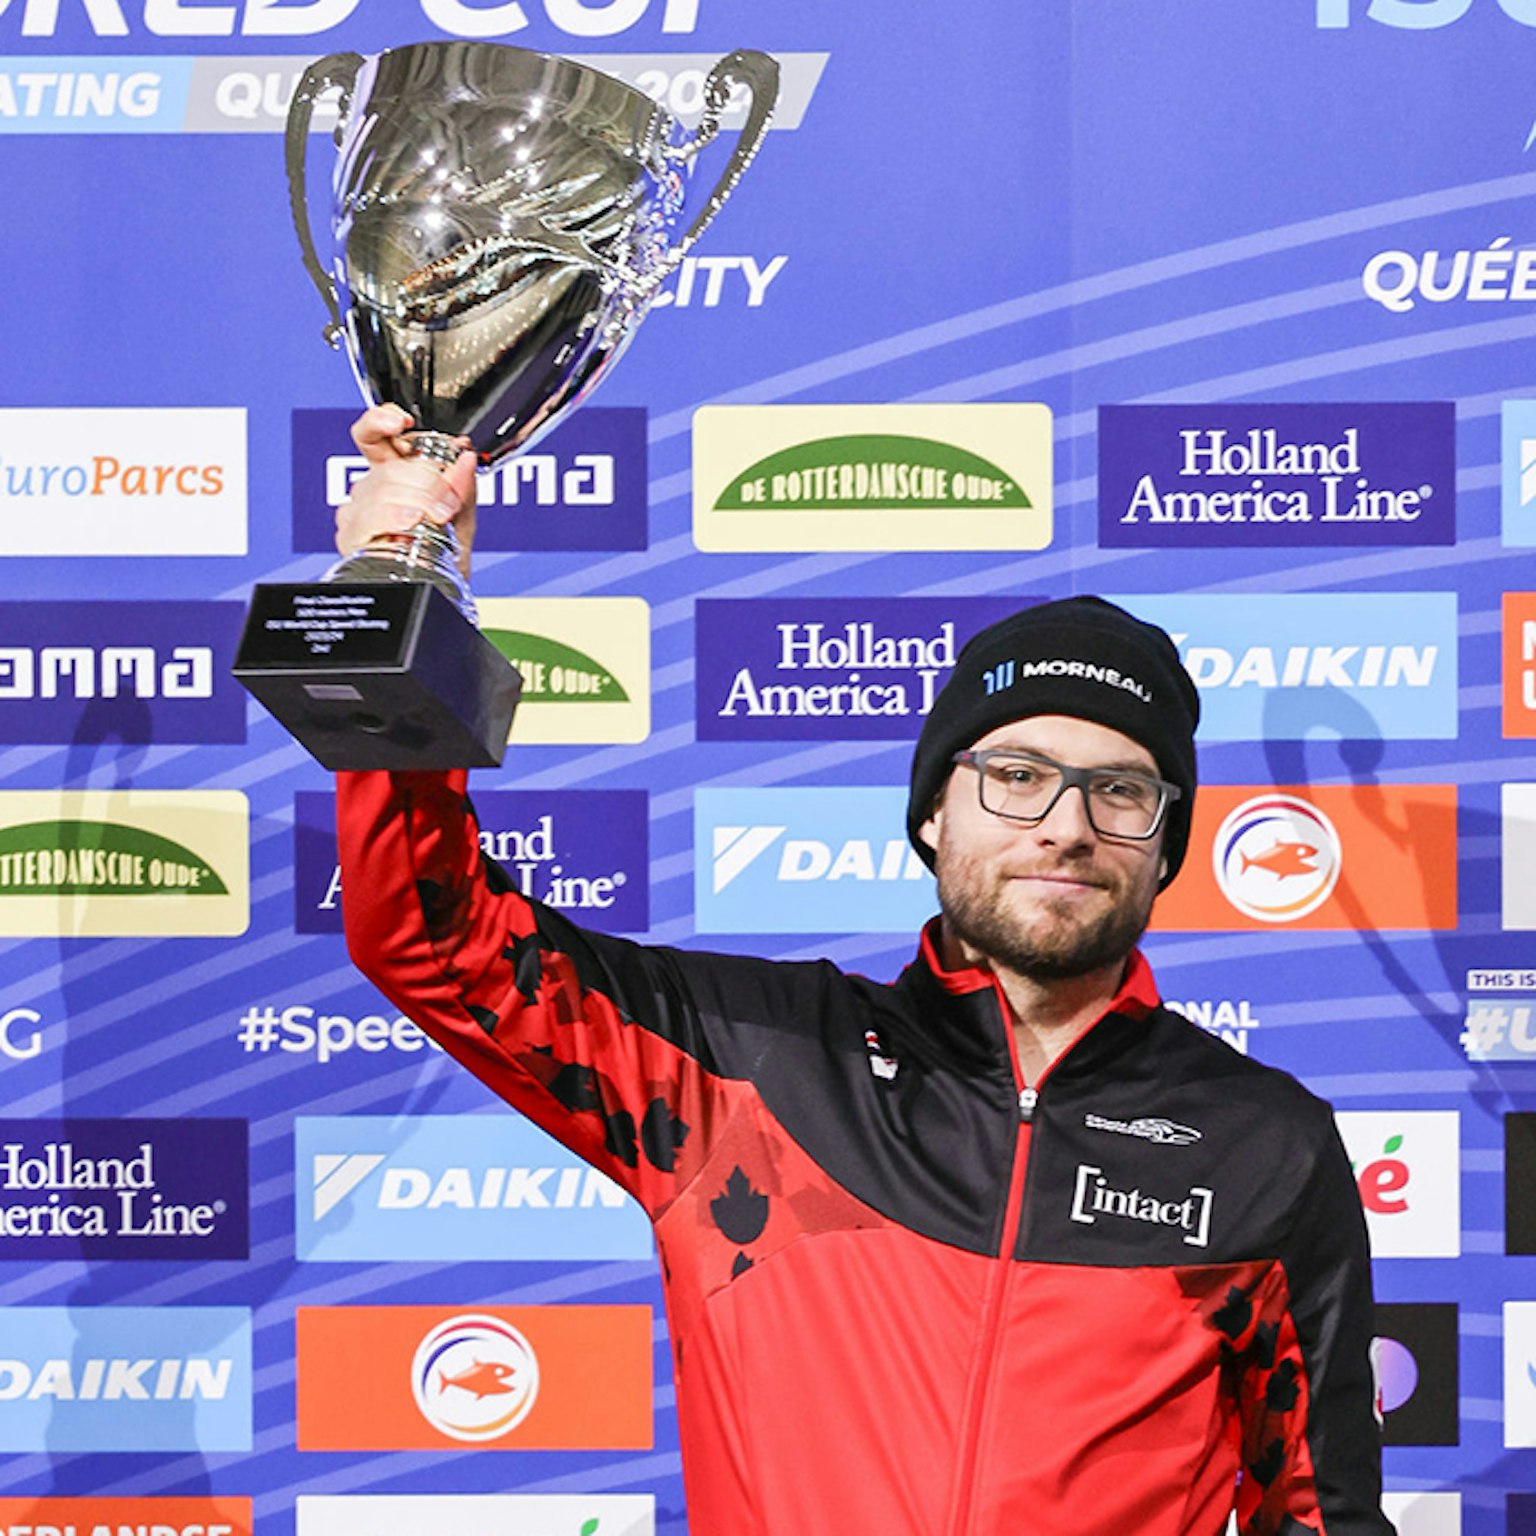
(908, 1297)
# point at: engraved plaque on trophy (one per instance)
(501, 222)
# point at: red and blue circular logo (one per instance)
(475, 1377)
(1277, 858)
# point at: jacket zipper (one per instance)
(992, 1308)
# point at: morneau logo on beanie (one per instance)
(1006, 673)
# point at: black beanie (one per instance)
(1081, 657)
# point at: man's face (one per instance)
(1053, 899)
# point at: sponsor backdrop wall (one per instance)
(1228, 311)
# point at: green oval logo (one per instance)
(99, 858)
(872, 469)
(554, 673)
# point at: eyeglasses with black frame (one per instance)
(1024, 786)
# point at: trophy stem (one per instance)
(428, 552)
(440, 448)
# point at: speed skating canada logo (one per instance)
(1277, 858)
(475, 1377)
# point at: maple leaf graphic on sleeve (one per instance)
(740, 1211)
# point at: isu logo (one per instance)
(1277, 858)
(475, 1377)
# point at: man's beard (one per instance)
(1053, 948)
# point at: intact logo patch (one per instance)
(1095, 1199)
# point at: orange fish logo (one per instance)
(475, 1377)
(484, 1378)
(1277, 858)
(1284, 860)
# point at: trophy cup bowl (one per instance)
(501, 222)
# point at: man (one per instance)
(1005, 1247)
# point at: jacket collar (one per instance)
(1137, 996)
(963, 1026)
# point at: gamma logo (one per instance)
(585, 664)
(122, 863)
(475, 1377)
(583, 487)
(1277, 858)
(132, 672)
(830, 477)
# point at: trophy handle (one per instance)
(760, 74)
(334, 69)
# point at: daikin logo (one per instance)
(1517, 448)
(736, 848)
(125, 1379)
(381, 1189)
(1270, 667)
(336, 1175)
(824, 860)
(809, 858)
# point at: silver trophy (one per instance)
(501, 222)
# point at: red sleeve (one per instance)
(593, 1037)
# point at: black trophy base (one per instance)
(385, 674)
